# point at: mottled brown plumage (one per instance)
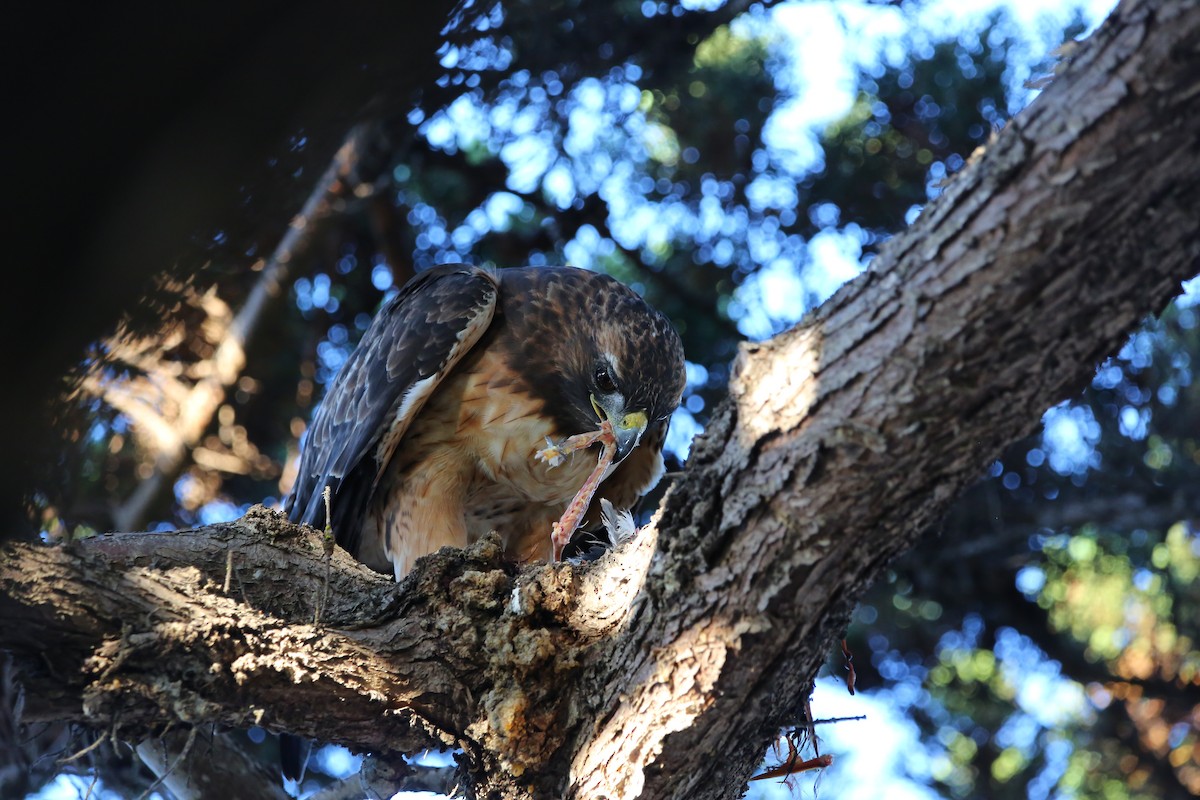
(427, 436)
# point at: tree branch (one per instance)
(846, 437)
(145, 635)
(841, 441)
(198, 402)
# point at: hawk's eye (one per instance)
(604, 381)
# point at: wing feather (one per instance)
(414, 341)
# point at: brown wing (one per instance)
(414, 341)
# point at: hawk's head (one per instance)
(633, 372)
(598, 351)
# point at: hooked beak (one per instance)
(628, 427)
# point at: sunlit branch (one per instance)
(196, 404)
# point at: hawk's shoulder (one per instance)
(415, 339)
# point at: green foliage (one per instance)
(1074, 577)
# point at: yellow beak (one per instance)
(628, 427)
(635, 421)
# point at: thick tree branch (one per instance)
(846, 437)
(216, 625)
(665, 673)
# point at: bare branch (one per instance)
(196, 403)
(200, 763)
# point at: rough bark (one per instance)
(847, 437)
(663, 669)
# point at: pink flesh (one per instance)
(562, 530)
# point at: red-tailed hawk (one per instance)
(427, 436)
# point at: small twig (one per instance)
(851, 677)
(99, 741)
(830, 720)
(187, 746)
(114, 742)
(810, 726)
(124, 649)
(49, 665)
(228, 570)
(793, 764)
(327, 494)
(329, 543)
(793, 767)
(92, 785)
(34, 735)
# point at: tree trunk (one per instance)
(664, 669)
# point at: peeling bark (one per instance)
(216, 625)
(663, 669)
